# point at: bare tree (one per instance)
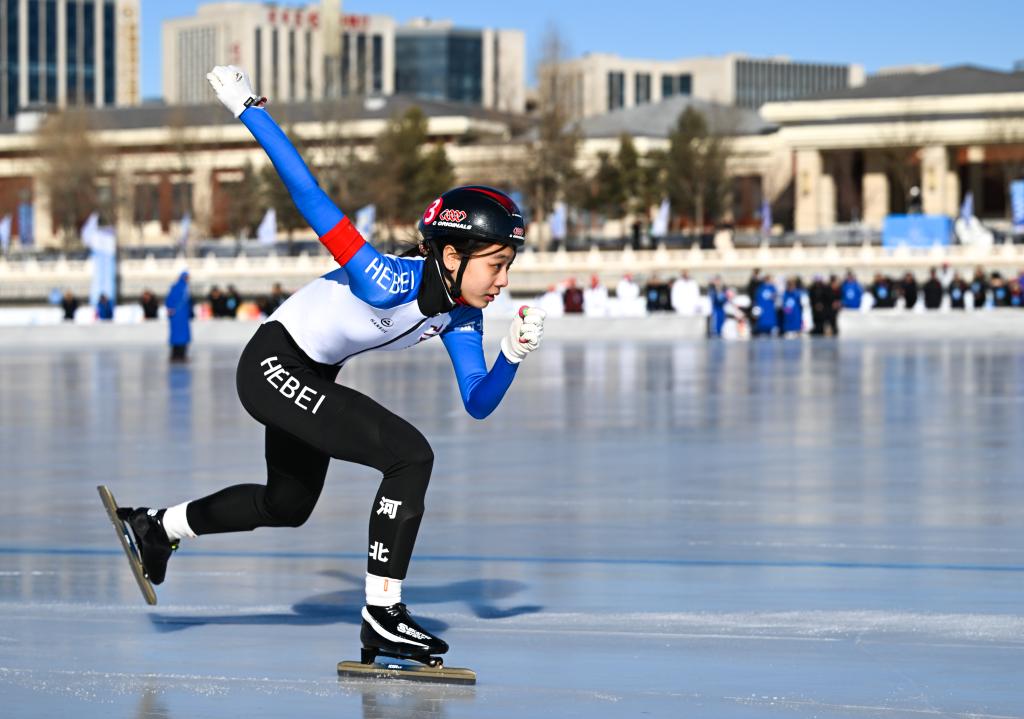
(696, 179)
(551, 163)
(1008, 135)
(72, 162)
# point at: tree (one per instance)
(405, 177)
(72, 164)
(551, 163)
(276, 195)
(245, 203)
(695, 173)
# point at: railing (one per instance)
(33, 278)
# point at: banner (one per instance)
(5, 234)
(26, 224)
(967, 208)
(186, 226)
(558, 221)
(659, 228)
(766, 217)
(266, 233)
(103, 245)
(1017, 202)
(916, 230)
(366, 219)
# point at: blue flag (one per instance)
(1017, 200)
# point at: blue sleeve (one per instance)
(481, 390)
(379, 280)
(314, 204)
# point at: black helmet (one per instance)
(477, 213)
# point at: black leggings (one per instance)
(309, 420)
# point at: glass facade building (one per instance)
(70, 54)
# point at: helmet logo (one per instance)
(450, 215)
(431, 214)
(518, 231)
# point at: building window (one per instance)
(346, 64)
(71, 37)
(51, 50)
(89, 52)
(668, 86)
(307, 62)
(12, 57)
(274, 69)
(685, 84)
(259, 59)
(291, 64)
(378, 64)
(642, 88)
(34, 63)
(109, 54)
(616, 90)
(361, 64)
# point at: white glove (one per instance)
(524, 335)
(233, 88)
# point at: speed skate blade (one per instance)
(407, 672)
(128, 544)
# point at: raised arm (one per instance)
(376, 279)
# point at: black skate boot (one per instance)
(391, 632)
(150, 538)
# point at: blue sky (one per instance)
(870, 32)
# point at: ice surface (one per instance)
(643, 529)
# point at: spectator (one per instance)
(836, 304)
(958, 292)
(179, 315)
(595, 299)
(881, 290)
(765, 310)
(104, 309)
(754, 284)
(908, 290)
(946, 276)
(933, 291)
(70, 305)
(234, 301)
(1000, 291)
(792, 309)
(685, 295)
(218, 302)
(979, 288)
(150, 306)
(821, 300)
(852, 291)
(572, 298)
(658, 295)
(718, 298)
(275, 300)
(1016, 298)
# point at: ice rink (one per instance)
(804, 528)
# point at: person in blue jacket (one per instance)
(792, 309)
(286, 374)
(179, 317)
(719, 297)
(767, 312)
(852, 291)
(104, 309)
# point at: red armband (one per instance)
(343, 241)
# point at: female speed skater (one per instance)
(286, 374)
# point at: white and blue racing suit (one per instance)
(286, 377)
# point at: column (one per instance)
(875, 191)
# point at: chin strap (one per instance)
(454, 284)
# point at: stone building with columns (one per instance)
(845, 157)
(857, 153)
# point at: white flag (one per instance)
(659, 228)
(101, 240)
(186, 226)
(266, 233)
(5, 233)
(558, 221)
(366, 218)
